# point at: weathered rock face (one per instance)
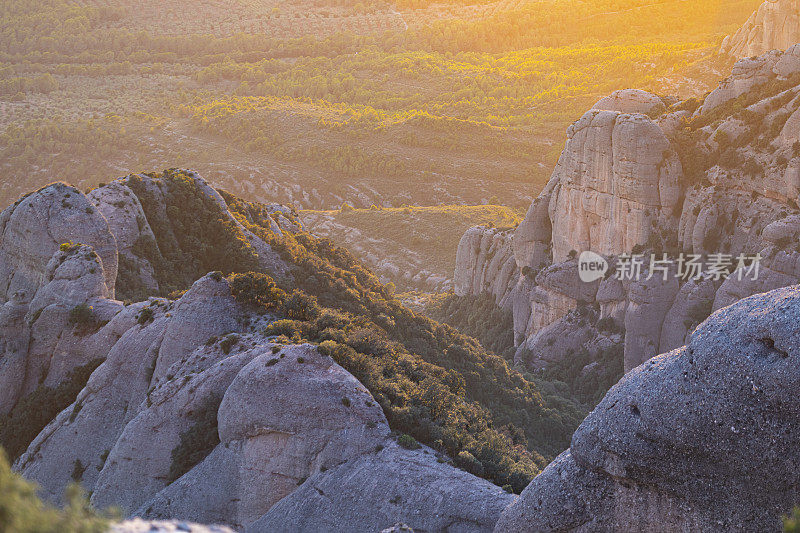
(414, 489)
(33, 229)
(749, 73)
(618, 180)
(774, 26)
(488, 260)
(269, 443)
(127, 221)
(648, 457)
(196, 374)
(60, 251)
(620, 187)
(40, 341)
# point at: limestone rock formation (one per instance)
(42, 340)
(194, 412)
(414, 489)
(486, 262)
(269, 443)
(774, 26)
(721, 176)
(34, 228)
(127, 221)
(648, 457)
(750, 72)
(618, 180)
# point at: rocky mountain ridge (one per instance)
(207, 407)
(198, 406)
(718, 176)
(774, 26)
(233, 397)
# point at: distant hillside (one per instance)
(413, 247)
(317, 103)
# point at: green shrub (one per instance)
(21, 510)
(479, 317)
(83, 320)
(468, 462)
(77, 471)
(256, 290)
(791, 523)
(198, 441)
(610, 325)
(34, 411)
(289, 328)
(408, 442)
(301, 306)
(589, 388)
(229, 342)
(145, 316)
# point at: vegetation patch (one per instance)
(257, 291)
(198, 441)
(33, 412)
(193, 236)
(569, 378)
(82, 318)
(479, 317)
(21, 510)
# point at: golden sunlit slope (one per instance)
(459, 107)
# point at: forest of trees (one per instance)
(445, 99)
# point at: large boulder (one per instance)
(703, 438)
(388, 486)
(268, 442)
